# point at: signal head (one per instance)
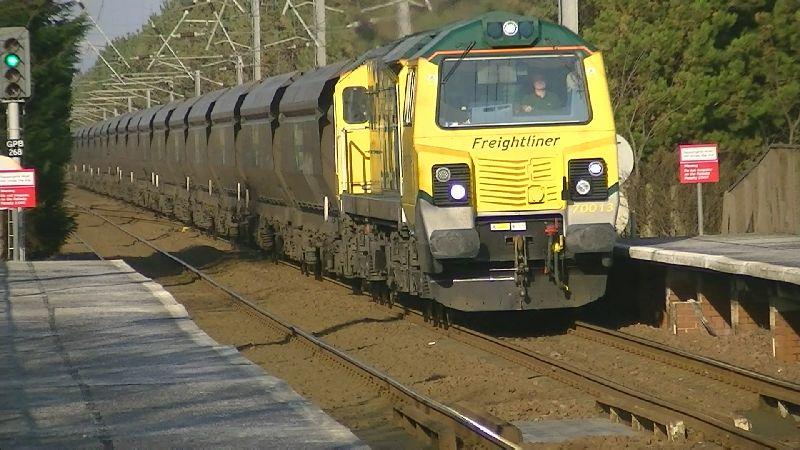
(11, 45)
(11, 60)
(15, 63)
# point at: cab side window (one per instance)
(356, 104)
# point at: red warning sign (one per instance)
(17, 189)
(698, 163)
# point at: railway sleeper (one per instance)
(426, 424)
(784, 409)
(424, 428)
(642, 419)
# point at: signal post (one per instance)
(15, 88)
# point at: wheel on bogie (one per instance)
(375, 292)
(277, 249)
(437, 314)
(318, 272)
(447, 318)
(385, 293)
(358, 288)
(392, 297)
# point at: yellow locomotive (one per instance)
(472, 166)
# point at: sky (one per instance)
(116, 18)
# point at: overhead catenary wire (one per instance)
(97, 26)
(216, 24)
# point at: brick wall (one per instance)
(710, 292)
(680, 287)
(728, 304)
(741, 318)
(785, 334)
(684, 319)
(714, 294)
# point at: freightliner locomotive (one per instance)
(473, 167)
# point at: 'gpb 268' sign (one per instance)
(15, 148)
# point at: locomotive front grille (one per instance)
(517, 184)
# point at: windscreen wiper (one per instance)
(460, 58)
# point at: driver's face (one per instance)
(539, 84)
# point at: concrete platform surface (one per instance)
(95, 355)
(774, 258)
(563, 430)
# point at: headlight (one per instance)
(595, 168)
(458, 192)
(583, 187)
(510, 28)
(442, 174)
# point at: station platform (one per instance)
(720, 284)
(95, 355)
(775, 258)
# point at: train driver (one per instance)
(538, 99)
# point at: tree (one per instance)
(778, 68)
(713, 70)
(55, 35)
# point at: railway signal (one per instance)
(15, 88)
(15, 83)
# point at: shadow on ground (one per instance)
(202, 257)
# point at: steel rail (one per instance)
(469, 431)
(768, 387)
(86, 244)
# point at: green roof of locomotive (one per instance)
(461, 34)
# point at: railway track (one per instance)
(781, 395)
(641, 410)
(89, 247)
(442, 425)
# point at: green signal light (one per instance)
(11, 60)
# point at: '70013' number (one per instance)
(584, 208)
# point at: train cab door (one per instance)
(385, 141)
(352, 108)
